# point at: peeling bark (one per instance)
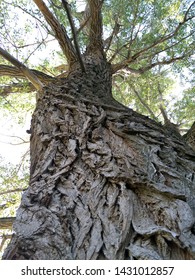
(105, 181)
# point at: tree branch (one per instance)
(187, 12)
(83, 24)
(163, 62)
(164, 114)
(7, 70)
(142, 70)
(4, 238)
(66, 7)
(16, 87)
(6, 223)
(115, 31)
(143, 103)
(95, 30)
(158, 42)
(59, 31)
(22, 68)
(38, 19)
(12, 191)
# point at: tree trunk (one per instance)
(105, 182)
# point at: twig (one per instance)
(144, 103)
(12, 191)
(4, 238)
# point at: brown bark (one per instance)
(190, 136)
(105, 182)
(6, 223)
(95, 31)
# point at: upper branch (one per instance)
(59, 31)
(22, 68)
(95, 27)
(66, 7)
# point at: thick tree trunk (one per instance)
(106, 182)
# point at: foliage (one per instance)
(14, 175)
(12, 179)
(184, 109)
(142, 92)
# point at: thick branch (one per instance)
(7, 70)
(22, 68)
(115, 31)
(59, 31)
(95, 30)
(66, 7)
(164, 114)
(16, 87)
(6, 223)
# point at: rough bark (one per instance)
(190, 136)
(105, 182)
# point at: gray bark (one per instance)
(105, 182)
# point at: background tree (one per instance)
(102, 183)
